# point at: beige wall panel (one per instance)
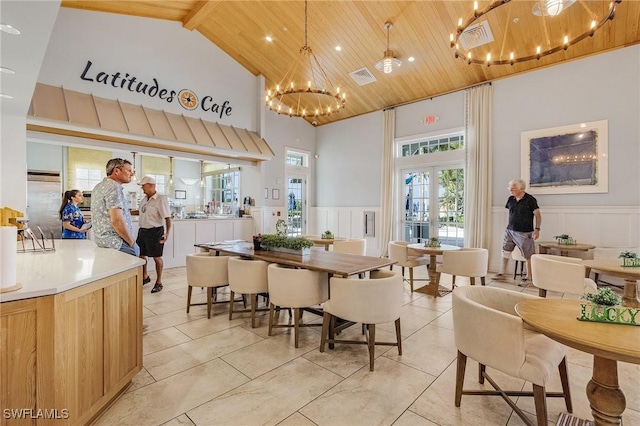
(233, 138)
(136, 119)
(180, 128)
(110, 114)
(48, 102)
(261, 144)
(247, 140)
(219, 139)
(199, 131)
(159, 124)
(81, 108)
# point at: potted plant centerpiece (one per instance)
(432, 242)
(605, 307)
(565, 239)
(282, 243)
(629, 258)
(327, 235)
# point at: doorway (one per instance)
(433, 204)
(296, 202)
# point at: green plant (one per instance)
(628, 254)
(562, 237)
(293, 243)
(604, 296)
(327, 234)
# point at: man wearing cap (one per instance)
(154, 215)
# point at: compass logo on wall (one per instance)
(188, 99)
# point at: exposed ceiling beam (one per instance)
(198, 14)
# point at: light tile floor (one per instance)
(200, 371)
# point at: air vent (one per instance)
(476, 35)
(362, 76)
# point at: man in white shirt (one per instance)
(155, 223)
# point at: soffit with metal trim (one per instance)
(61, 111)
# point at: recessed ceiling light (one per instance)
(9, 29)
(268, 38)
(7, 70)
(411, 59)
(2, 95)
(339, 48)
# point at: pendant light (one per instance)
(133, 177)
(170, 170)
(388, 62)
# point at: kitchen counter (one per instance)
(71, 338)
(73, 264)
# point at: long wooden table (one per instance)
(340, 264)
(608, 343)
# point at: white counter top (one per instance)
(74, 263)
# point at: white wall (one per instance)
(448, 108)
(349, 161)
(147, 48)
(601, 87)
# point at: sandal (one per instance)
(156, 288)
(146, 280)
(499, 277)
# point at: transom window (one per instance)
(433, 145)
(297, 159)
(86, 179)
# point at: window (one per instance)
(296, 159)
(86, 179)
(222, 187)
(433, 145)
(161, 183)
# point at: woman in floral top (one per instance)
(71, 216)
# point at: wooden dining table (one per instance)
(326, 242)
(544, 246)
(340, 264)
(613, 267)
(608, 343)
(432, 287)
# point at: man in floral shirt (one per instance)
(110, 209)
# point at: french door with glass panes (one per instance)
(433, 204)
(296, 202)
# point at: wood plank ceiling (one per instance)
(420, 29)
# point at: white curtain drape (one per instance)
(388, 180)
(478, 117)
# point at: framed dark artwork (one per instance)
(570, 159)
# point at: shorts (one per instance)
(149, 241)
(524, 241)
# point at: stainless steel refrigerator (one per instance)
(44, 195)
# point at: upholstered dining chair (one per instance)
(248, 277)
(466, 262)
(506, 346)
(370, 301)
(399, 252)
(210, 272)
(351, 246)
(560, 274)
(295, 288)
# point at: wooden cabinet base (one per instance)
(65, 357)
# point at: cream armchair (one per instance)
(488, 330)
(210, 272)
(369, 301)
(399, 252)
(248, 277)
(295, 288)
(560, 274)
(466, 262)
(351, 246)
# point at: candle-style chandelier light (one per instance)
(305, 90)
(500, 33)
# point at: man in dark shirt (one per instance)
(521, 232)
